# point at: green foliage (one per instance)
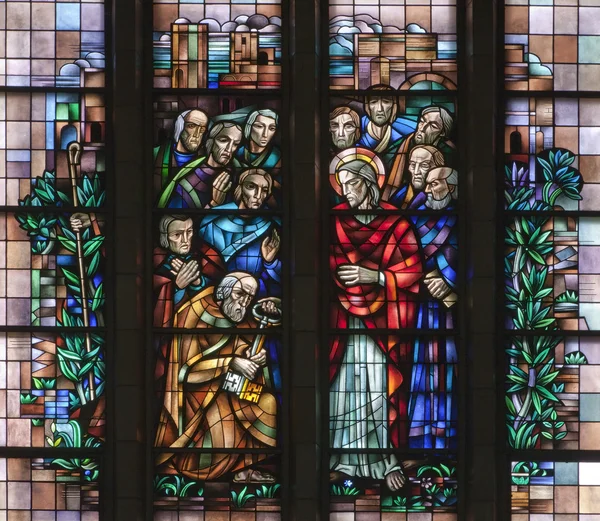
(441, 470)
(529, 468)
(532, 392)
(561, 178)
(344, 490)
(567, 296)
(44, 383)
(28, 399)
(240, 500)
(268, 492)
(89, 191)
(576, 358)
(177, 486)
(37, 422)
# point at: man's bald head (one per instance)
(441, 187)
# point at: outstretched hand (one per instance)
(270, 247)
(221, 185)
(353, 275)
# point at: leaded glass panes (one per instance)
(52, 44)
(53, 269)
(555, 490)
(393, 259)
(407, 45)
(551, 240)
(231, 44)
(218, 283)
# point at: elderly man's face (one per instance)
(354, 188)
(419, 166)
(262, 131)
(236, 305)
(429, 129)
(380, 109)
(437, 186)
(179, 234)
(343, 131)
(255, 190)
(193, 130)
(226, 143)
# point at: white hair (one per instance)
(267, 113)
(225, 287)
(163, 227)
(180, 125)
(452, 180)
(445, 116)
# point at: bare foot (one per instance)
(395, 480)
(253, 476)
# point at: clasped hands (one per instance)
(437, 287)
(186, 273)
(353, 275)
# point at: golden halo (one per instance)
(351, 154)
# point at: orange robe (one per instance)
(197, 413)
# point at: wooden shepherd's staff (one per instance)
(74, 160)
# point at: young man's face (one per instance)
(262, 131)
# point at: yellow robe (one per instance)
(196, 412)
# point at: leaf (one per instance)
(71, 277)
(546, 435)
(561, 435)
(93, 266)
(547, 394)
(93, 245)
(98, 299)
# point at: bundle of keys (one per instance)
(238, 384)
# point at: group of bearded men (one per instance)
(391, 272)
(208, 276)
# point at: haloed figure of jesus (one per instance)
(376, 269)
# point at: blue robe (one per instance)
(432, 405)
(401, 127)
(238, 239)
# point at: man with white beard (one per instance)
(441, 188)
(432, 407)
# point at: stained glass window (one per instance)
(219, 205)
(393, 259)
(53, 269)
(551, 270)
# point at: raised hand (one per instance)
(269, 307)
(437, 287)
(270, 247)
(353, 275)
(188, 274)
(244, 366)
(221, 185)
(80, 221)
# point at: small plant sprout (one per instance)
(576, 358)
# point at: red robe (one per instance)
(388, 245)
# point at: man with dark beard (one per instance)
(433, 129)
(186, 145)
(197, 411)
(205, 182)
